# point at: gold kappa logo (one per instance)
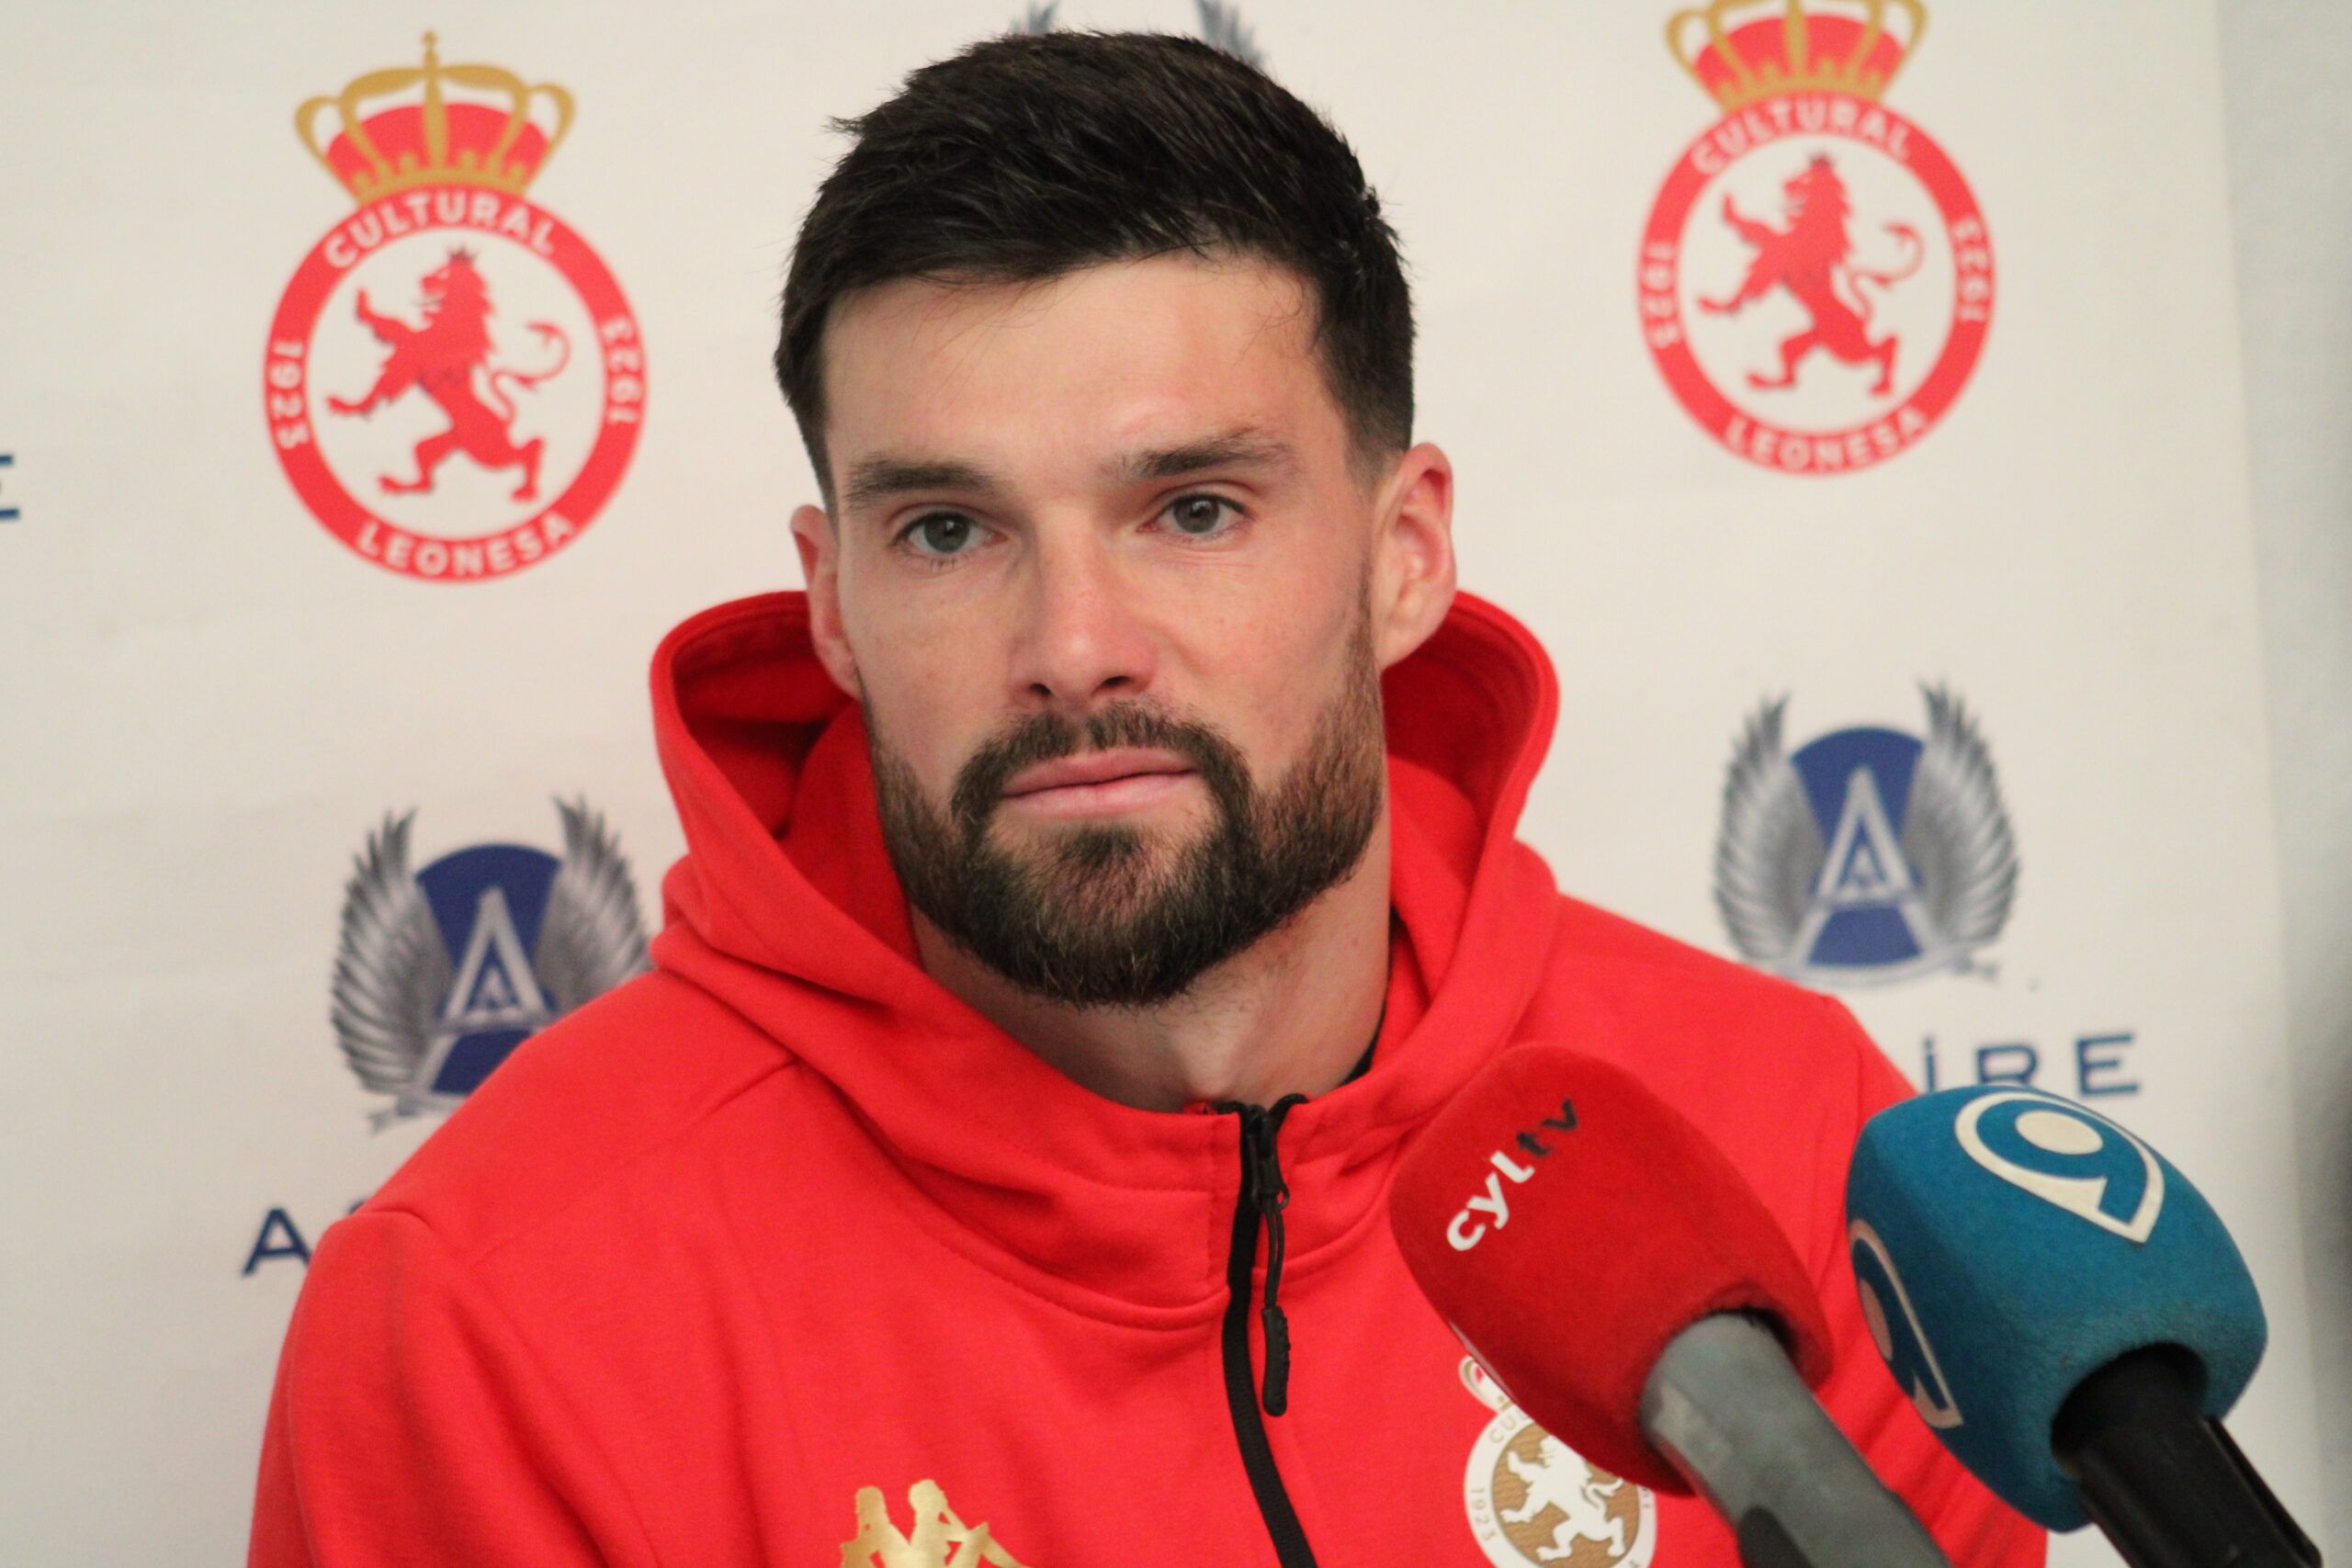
(940, 1539)
(1532, 1499)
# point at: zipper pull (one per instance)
(1272, 1194)
(1276, 1398)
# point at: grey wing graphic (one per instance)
(392, 968)
(1039, 17)
(1221, 29)
(1956, 833)
(590, 937)
(1769, 854)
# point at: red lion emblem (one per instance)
(443, 358)
(1812, 259)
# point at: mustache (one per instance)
(1047, 737)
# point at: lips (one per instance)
(1095, 768)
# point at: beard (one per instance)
(1119, 916)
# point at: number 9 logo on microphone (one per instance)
(2066, 1157)
(1895, 1329)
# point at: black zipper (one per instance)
(1263, 1197)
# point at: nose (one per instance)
(1082, 642)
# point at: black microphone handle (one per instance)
(2163, 1480)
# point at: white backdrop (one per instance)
(212, 704)
(2290, 198)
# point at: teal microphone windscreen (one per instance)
(2008, 1244)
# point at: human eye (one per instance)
(1201, 516)
(940, 536)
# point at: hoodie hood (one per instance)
(785, 907)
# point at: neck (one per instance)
(1292, 1014)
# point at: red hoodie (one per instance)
(782, 1254)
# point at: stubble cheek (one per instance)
(919, 731)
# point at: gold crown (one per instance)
(1817, 51)
(434, 139)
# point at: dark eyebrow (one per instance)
(873, 480)
(1239, 448)
(877, 478)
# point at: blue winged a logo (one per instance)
(1868, 855)
(532, 938)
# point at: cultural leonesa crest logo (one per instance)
(454, 381)
(1815, 280)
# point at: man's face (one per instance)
(1104, 575)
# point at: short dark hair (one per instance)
(1032, 156)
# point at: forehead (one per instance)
(1113, 354)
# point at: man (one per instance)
(1093, 883)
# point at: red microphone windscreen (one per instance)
(1568, 1223)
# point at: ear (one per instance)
(1412, 564)
(814, 536)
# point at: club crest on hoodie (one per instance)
(1534, 1500)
